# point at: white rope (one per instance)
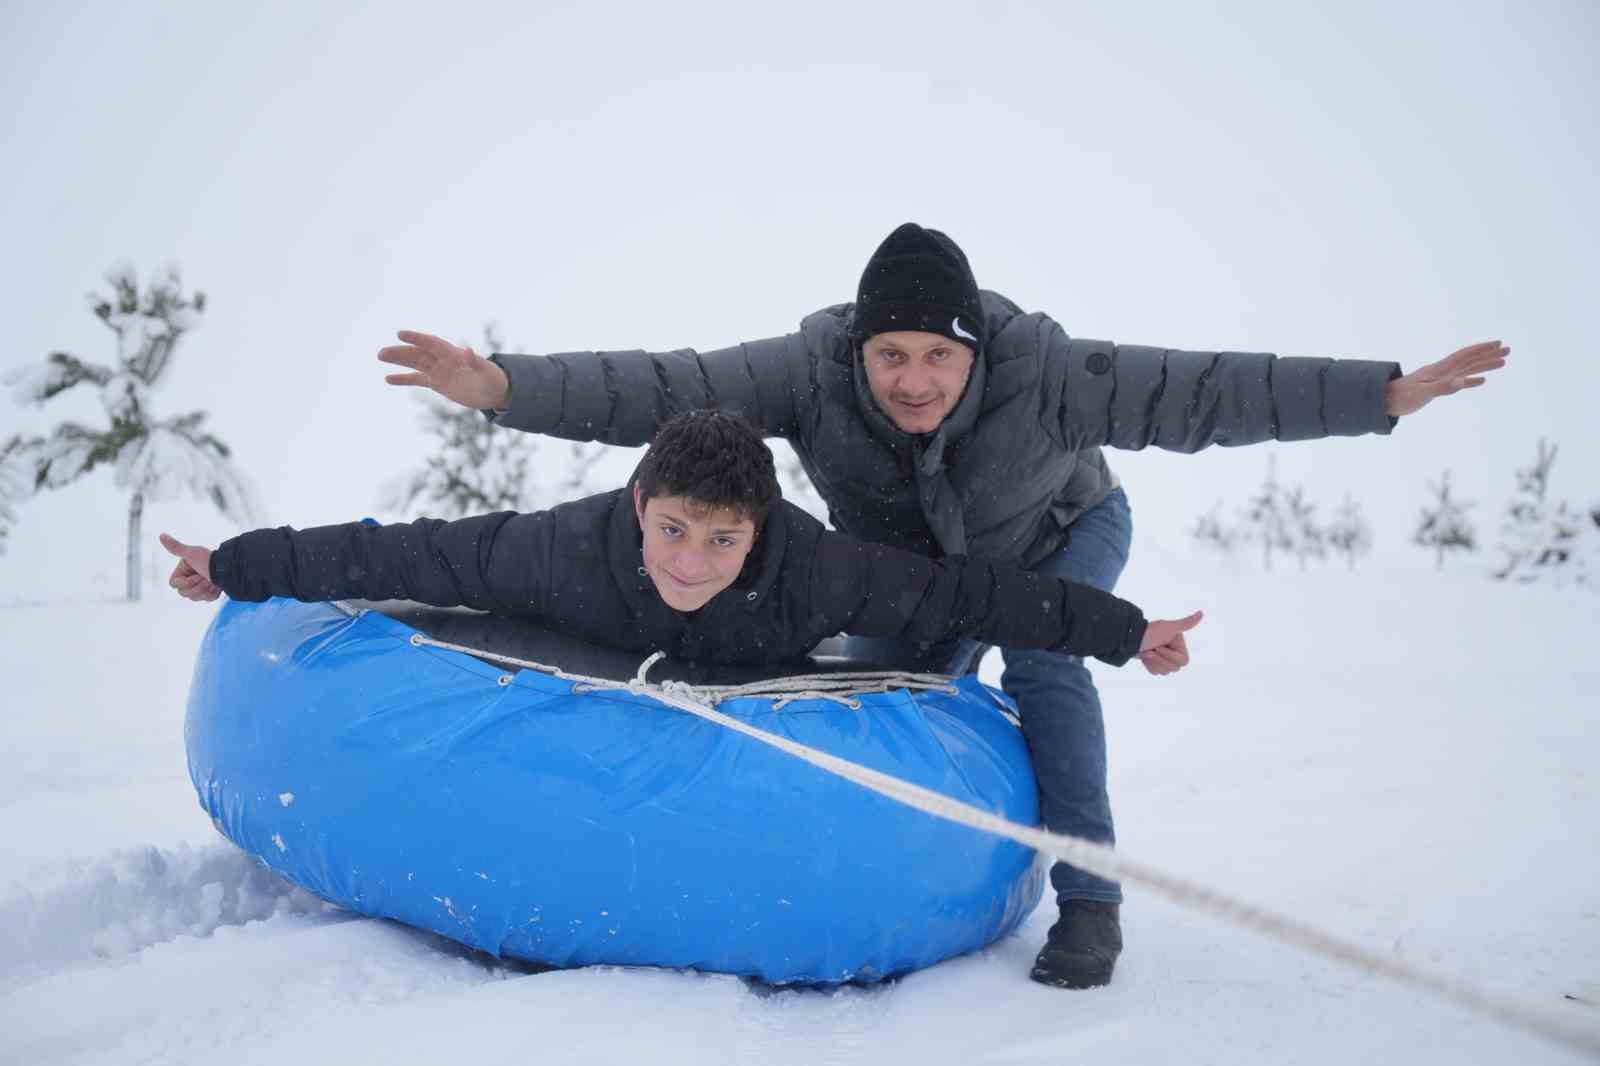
(838, 687)
(1095, 858)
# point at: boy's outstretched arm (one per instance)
(878, 591)
(496, 562)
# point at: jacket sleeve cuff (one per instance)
(225, 571)
(1132, 637)
(1103, 626)
(1357, 397)
(536, 393)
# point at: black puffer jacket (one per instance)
(579, 567)
(1011, 467)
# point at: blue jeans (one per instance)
(1055, 696)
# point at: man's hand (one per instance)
(1462, 370)
(454, 372)
(1163, 650)
(192, 576)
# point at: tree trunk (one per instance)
(135, 513)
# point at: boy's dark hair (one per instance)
(713, 458)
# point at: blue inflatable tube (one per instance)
(526, 819)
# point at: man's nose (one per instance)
(915, 384)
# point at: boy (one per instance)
(701, 559)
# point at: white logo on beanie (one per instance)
(955, 327)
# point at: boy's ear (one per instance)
(638, 505)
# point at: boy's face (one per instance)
(691, 553)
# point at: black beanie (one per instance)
(919, 280)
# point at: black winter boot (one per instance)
(1082, 947)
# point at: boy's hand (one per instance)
(1163, 650)
(192, 576)
(454, 372)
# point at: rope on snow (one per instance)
(1087, 855)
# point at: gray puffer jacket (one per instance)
(1012, 466)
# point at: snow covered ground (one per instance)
(1406, 759)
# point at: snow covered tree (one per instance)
(476, 467)
(578, 470)
(1267, 518)
(1349, 534)
(1541, 539)
(154, 459)
(1210, 532)
(16, 483)
(1444, 525)
(1306, 538)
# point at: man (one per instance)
(701, 559)
(943, 419)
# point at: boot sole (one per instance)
(1076, 982)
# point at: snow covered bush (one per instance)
(1349, 534)
(1544, 540)
(152, 458)
(1284, 520)
(1267, 519)
(1211, 533)
(1307, 540)
(1444, 525)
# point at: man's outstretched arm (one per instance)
(615, 397)
(1130, 396)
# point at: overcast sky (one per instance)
(1367, 180)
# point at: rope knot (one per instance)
(640, 679)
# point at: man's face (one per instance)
(916, 377)
(690, 552)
